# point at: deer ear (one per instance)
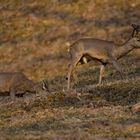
(134, 28)
(133, 25)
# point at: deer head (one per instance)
(45, 85)
(135, 42)
(41, 86)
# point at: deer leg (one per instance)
(12, 93)
(73, 74)
(84, 59)
(71, 69)
(118, 68)
(102, 70)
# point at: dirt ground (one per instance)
(33, 39)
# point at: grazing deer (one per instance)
(102, 51)
(18, 83)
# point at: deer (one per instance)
(17, 83)
(103, 52)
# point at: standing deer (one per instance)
(102, 51)
(18, 83)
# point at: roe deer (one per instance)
(102, 51)
(85, 59)
(18, 83)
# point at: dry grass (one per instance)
(33, 39)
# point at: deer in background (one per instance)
(18, 83)
(102, 51)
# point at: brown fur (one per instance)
(102, 51)
(18, 83)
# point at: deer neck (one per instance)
(36, 85)
(122, 50)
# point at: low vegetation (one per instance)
(33, 39)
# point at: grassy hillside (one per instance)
(33, 39)
(34, 34)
